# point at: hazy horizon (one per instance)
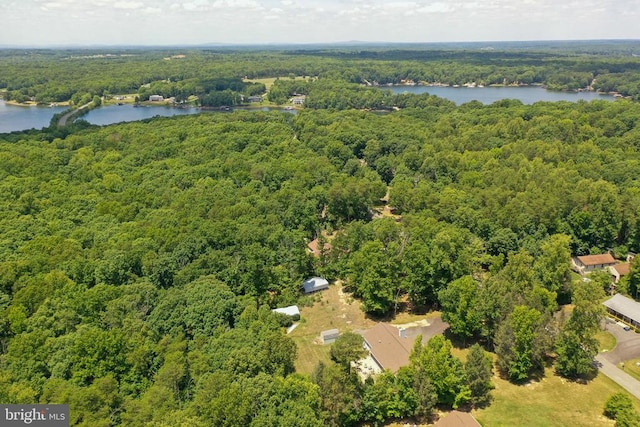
(77, 23)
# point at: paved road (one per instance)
(65, 117)
(627, 347)
(625, 380)
(627, 343)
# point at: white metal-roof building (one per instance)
(292, 311)
(624, 309)
(315, 284)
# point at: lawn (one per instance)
(632, 367)
(332, 309)
(553, 401)
(606, 341)
(268, 82)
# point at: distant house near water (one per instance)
(314, 284)
(156, 98)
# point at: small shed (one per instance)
(329, 336)
(156, 98)
(314, 284)
(291, 310)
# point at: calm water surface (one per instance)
(489, 95)
(128, 113)
(13, 118)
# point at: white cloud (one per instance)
(128, 5)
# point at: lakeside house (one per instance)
(298, 100)
(156, 98)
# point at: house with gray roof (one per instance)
(625, 309)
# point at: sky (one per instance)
(192, 22)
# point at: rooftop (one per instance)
(624, 306)
(458, 419)
(623, 269)
(388, 348)
(597, 259)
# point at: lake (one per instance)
(128, 113)
(489, 95)
(13, 118)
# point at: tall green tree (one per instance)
(479, 371)
(517, 344)
(577, 345)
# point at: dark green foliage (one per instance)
(479, 371)
(139, 262)
(346, 349)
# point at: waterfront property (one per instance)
(624, 309)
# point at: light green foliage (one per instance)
(347, 348)
(577, 345)
(460, 302)
(444, 371)
(518, 343)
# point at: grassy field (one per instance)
(632, 367)
(332, 309)
(268, 82)
(552, 401)
(549, 402)
(606, 341)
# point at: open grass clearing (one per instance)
(268, 81)
(606, 341)
(552, 401)
(631, 367)
(333, 309)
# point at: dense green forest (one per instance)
(216, 75)
(139, 262)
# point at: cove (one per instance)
(491, 94)
(128, 113)
(16, 118)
